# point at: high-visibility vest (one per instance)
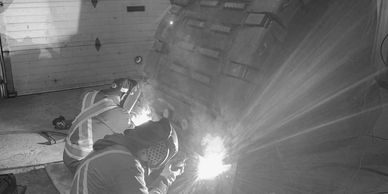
(79, 142)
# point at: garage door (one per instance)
(61, 44)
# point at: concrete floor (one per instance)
(33, 113)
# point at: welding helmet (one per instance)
(160, 141)
(160, 153)
(131, 96)
(123, 84)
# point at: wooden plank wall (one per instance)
(212, 55)
(52, 42)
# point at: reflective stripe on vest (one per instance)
(82, 125)
(81, 176)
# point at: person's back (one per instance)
(115, 120)
(120, 163)
(101, 114)
(85, 130)
(103, 175)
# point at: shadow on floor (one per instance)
(37, 182)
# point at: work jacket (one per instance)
(112, 168)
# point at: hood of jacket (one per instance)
(142, 136)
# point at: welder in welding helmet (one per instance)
(101, 114)
(163, 146)
(120, 163)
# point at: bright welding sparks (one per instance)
(142, 117)
(211, 164)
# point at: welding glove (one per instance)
(179, 166)
(169, 174)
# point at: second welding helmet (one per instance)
(159, 154)
(161, 142)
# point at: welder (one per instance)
(120, 163)
(103, 112)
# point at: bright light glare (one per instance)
(143, 116)
(211, 164)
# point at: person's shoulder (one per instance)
(86, 92)
(122, 156)
(117, 113)
(116, 151)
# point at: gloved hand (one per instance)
(179, 165)
(169, 174)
